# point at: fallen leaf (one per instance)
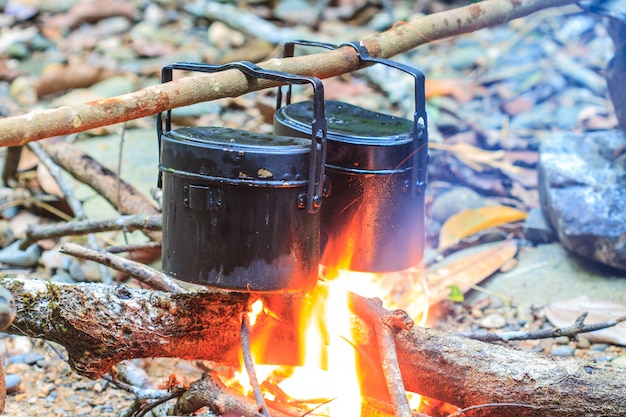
(61, 77)
(461, 90)
(47, 181)
(468, 270)
(90, 12)
(467, 222)
(564, 313)
(477, 158)
(462, 274)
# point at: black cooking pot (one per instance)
(241, 209)
(372, 219)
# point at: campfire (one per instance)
(299, 220)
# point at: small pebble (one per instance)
(562, 340)
(619, 361)
(13, 382)
(454, 201)
(545, 344)
(476, 313)
(583, 343)
(31, 358)
(599, 347)
(562, 350)
(492, 321)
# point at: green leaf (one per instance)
(456, 294)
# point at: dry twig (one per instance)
(143, 273)
(571, 331)
(127, 223)
(249, 364)
(76, 206)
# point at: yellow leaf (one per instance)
(467, 222)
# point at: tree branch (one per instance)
(149, 276)
(128, 223)
(572, 331)
(403, 37)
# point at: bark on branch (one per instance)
(402, 37)
(101, 325)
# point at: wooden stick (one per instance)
(387, 324)
(249, 364)
(70, 197)
(403, 37)
(127, 223)
(145, 274)
(101, 325)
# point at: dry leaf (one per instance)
(462, 273)
(564, 313)
(468, 271)
(477, 158)
(61, 77)
(90, 12)
(467, 222)
(461, 90)
(47, 181)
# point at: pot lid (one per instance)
(237, 156)
(358, 140)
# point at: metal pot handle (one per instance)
(318, 124)
(420, 131)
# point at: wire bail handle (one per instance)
(318, 123)
(420, 131)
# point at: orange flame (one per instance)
(327, 360)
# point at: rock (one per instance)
(583, 343)
(13, 382)
(617, 361)
(13, 255)
(562, 350)
(536, 227)
(454, 201)
(492, 321)
(561, 340)
(582, 188)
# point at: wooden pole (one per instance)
(404, 36)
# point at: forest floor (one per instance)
(500, 91)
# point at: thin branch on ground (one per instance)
(140, 393)
(70, 197)
(133, 247)
(104, 181)
(571, 331)
(149, 276)
(128, 223)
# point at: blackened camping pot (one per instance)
(372, 219)
(240, 209)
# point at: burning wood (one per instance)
(99, 327)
